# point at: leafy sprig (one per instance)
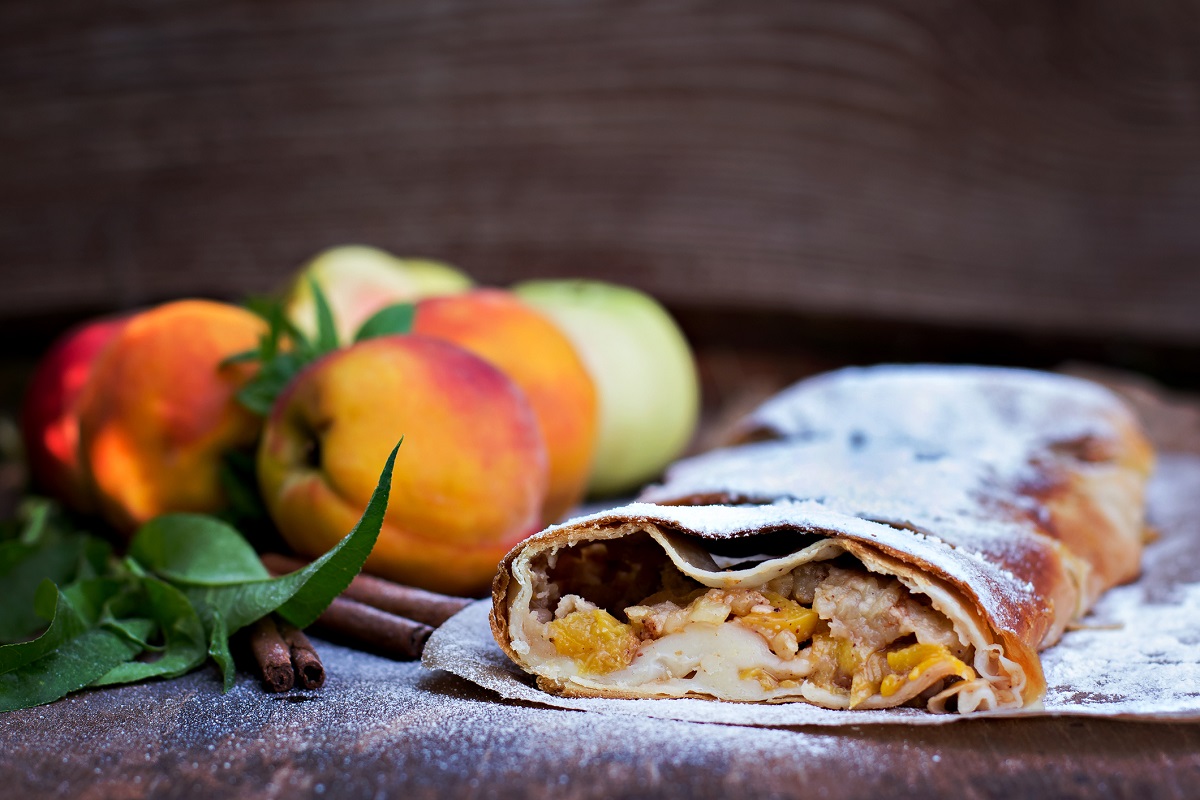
(284, 350)
(187, 583)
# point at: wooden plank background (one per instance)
(1007, 164)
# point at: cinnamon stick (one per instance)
(306, 664)
(373, 630)
(430, 608)
(273, 655)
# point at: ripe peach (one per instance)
(539, 358)
(50, 418)
(160, 411)
(468, 482)
(359, 280)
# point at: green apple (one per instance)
(645, 375)
(359, 280)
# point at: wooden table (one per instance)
(386, 729)
(866, 181)
(383, 729)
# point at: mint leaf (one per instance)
(59, 564)
(244, 357)
(283, 351)
(37, 518)
(390, 321)
(136, 630)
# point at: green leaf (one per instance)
(196, 550)
(282, 351)
(185, 644)
(327, 338)
(218, 648)
(390, 321)
(45, 547)
(94, 599)
(301, 596)
(244, 357)
(66, 622)
(60, 564)
(135, 630)
(261, 305)
(260, 392)
(273, 312)
(37, 512)
(189, 581)
(329, 575)
(72, 665)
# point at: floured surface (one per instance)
(1144, 662)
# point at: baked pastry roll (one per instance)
(916, 537)
(1060, 453)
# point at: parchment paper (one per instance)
(1137, 658)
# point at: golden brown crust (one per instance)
(1022, 525)
(500, 603)
(1077, 452)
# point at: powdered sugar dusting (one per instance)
(378, 728)
(1140, 659)
(988, 411)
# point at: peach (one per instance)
(160, 411)
(530, 349)
(469, 480)
(358, 281)
(50, 415)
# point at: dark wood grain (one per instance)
(1004, 163)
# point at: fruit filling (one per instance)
(830, 625)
